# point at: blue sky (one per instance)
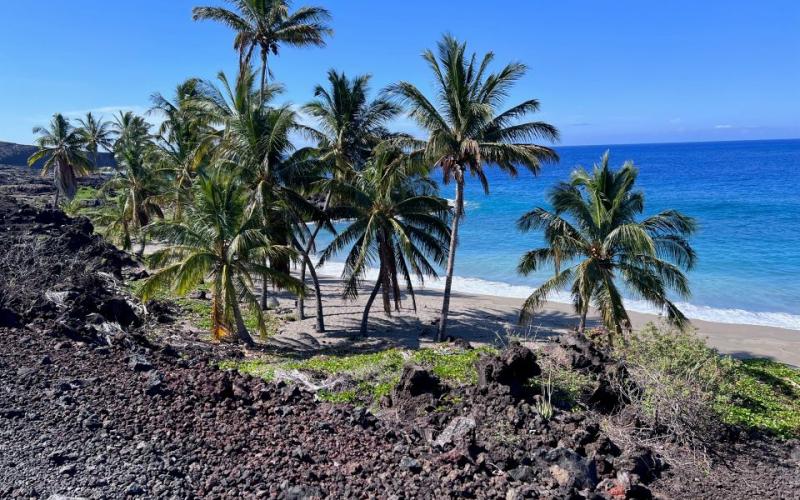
(606, 72)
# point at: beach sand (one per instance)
(483, 319)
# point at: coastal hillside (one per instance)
(17, 155)
(92, 371)
(390, 270)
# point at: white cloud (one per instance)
(723, 126)
(106, 110)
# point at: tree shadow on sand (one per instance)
(407, 330)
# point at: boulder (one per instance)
(139, 363)
(8, 318)
(569, 469)
(410, 464)
(512, 367)
(154, 384)
(118, 309)
(638, 463)
(523, 473)
(458, 432)
(415, 381)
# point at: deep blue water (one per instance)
(744, 196)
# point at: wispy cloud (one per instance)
(106, 110)
(675, 121)
(724, 126)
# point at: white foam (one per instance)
(469, 205)
(499, 289)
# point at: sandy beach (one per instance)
(483, 319)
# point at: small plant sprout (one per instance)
(544, 404)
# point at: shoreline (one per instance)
(484, 318)
(500, 289)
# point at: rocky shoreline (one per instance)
(94, 403)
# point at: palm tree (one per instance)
(397, 224)
(185, 138)
(257, 145)
(112, 219)
(218, 242)
(129, 126)
(593, 230)
(266, 25)
(97, 135)
(137, 184)
(63, 147)
(468, 132)
(348, 127)
(349, 124)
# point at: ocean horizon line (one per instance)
(676, 143)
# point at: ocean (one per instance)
(743, 194)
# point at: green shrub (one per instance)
(687, 387)
(674, 385)
(568, 387)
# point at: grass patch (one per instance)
(86, 193)
(76, 206)
(256, 368)
(763, 394)
(456, 368)
(356, 365)
(374, 374)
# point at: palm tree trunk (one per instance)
(318, 295)
(241, 329)
(142, 244)
(385, 270)
(55, 183)
(300, 301)
(371, 299)
(387, 306)
(264, 292)
(320, 326)
(263, 75)
(300, 307)
(451, 257)
(582, 324)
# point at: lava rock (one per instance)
(514, 366)
(154, 384)
(11, 413)
(411, 464)
(118, 309)
(414, 381)
(139, 363)
(9, 318)
(458, 431)
(523, 473)
(68, 470)
(571, 470)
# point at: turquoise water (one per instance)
(743, 194)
